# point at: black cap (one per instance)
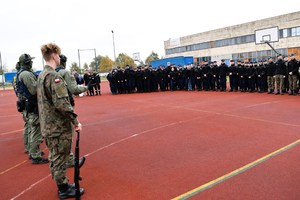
(292, 54)
(279, 55)
(222, 60)
(232, 61)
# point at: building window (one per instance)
(285, 33)
(298, 31)
(295, 31)
(281, 33)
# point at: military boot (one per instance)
(39, 160)
(66, 191)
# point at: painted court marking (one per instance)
(3, 172)
(235, 172)
(10, 132)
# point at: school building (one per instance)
(248, 41)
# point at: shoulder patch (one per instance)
(57, 80)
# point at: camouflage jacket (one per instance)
(56, 113)
(70, 80)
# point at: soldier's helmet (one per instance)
(25, 59)
(63, 58)
(18, 66)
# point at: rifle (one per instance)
(77, 167)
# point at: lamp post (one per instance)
(1, 68)
(113, 43)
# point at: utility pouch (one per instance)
(20, 105)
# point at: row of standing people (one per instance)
(91, 78)
(265, 76)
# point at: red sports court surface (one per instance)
(168, 145)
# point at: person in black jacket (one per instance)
(111, 77)
(87, 78)
(213, 76)
(206, 70)
(242, 71)
(261, 76)
(280, 74)
(251, 77)
(233, 71)
(293, 74)
(270, 75)
(223, 68)
(198, 77)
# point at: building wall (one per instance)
(282, 22)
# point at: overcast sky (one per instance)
(139, 25)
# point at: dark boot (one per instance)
(66, 191)
(39, 160)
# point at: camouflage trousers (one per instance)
(293, 79)
(35, 135)
(270, 81)
(279, 80)
(26, 132)
(59, 152)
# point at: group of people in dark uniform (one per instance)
(277, 77)
(91, 79)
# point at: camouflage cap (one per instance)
(25, 58)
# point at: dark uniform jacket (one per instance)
(270, 69)
(293, 66)
(280, 68)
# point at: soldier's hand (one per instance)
(78, 127)
(291, 73)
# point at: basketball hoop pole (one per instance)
(268, 43)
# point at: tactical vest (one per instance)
(20, 89)
(26, 101)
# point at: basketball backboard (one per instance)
(266, 35)
(136, 56)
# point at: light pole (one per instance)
(1, 69)
(113, 43)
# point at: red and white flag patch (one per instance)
(57, 80)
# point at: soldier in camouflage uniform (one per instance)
(57, 119)
(293, 70)
(280, 73)
(73, 89)
(27, 81)
(270, 75)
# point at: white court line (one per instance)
(153, 129)
(9, 169)
(10, 132)
(132, 136)
(30, 187)
(102, 148)
(9, 116)
(242, 117)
